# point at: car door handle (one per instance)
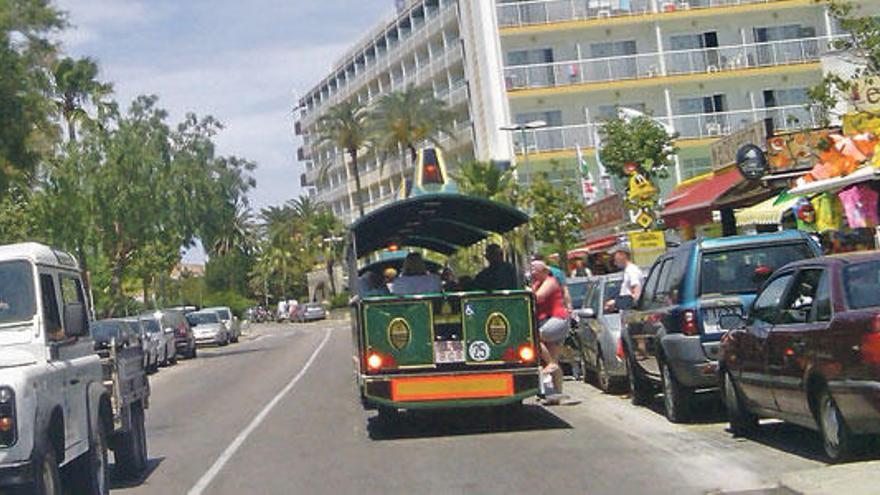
(74, 381)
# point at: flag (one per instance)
(588, 187)
(605, 185)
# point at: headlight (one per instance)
(497, 328)
(399, 333)
(7, 417)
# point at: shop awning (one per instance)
(692, 204)
(593, 246)
(765, 213)
(861, 175)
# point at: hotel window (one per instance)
(693, 53)
(696, 119)
(619, 61)
(785, 97)
(537, 74)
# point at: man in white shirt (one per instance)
(633, 281)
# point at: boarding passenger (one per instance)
(553, 325)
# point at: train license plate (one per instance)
(448, 351)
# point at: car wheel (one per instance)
(173, 359)
(676, 397)
(742, 421)
(47, 476)
(641, 391)
(89, 473)
(131, 453)
(836, 437)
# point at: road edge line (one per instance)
(233, 447)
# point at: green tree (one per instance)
(26, 131)
(76, 86)
(406, 119)
(640, 140)
(346, 127)
(558, 214)
(488, 181)
(862, 47)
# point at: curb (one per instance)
(859, 478)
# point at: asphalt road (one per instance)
(277, 414)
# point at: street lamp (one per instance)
(522, 128)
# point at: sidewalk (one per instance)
(858, 478)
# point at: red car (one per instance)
(809, 352)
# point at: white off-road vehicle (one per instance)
(61, 404)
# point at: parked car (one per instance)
(174, 323)
(120, 332)
(809, 352)
(167, 348)
(672, 337)
(154, 351)
(233, 326)
(599, 332)
(62, 406)
(208, 328)
(310, 312)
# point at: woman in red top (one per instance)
(553, 324)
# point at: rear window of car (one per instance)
(743, 270)
(861, 281)
(152, 326)
(196, 319)
(106, 329)
(224, 313)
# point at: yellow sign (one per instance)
(644, 219)
(647, 240)
(647, 246)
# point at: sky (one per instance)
(244, 62)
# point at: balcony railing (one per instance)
(695, 126)
(536, 12)
(648, 65)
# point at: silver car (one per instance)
(230, 320)
(149, 343)
(167, 349)
(208, 328)
(599, 332)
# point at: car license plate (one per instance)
(449, 351)
(712, 318)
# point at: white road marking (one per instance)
(227, 454)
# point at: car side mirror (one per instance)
(732, 322)
(585, 313)
(75, 320)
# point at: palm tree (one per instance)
(76, 86)
(406, 119)
(345, 126)
(237, 232)
(486, 180)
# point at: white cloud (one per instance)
(252, 92)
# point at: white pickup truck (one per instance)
(61, 404)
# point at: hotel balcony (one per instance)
(514, 14)
(694, 126)
(668, 63)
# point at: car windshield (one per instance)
(742, 271)
(578, 291)
(196, 319)
(861, 282)
(224, 313)
(17, 299)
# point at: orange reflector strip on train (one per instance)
(451, 387)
